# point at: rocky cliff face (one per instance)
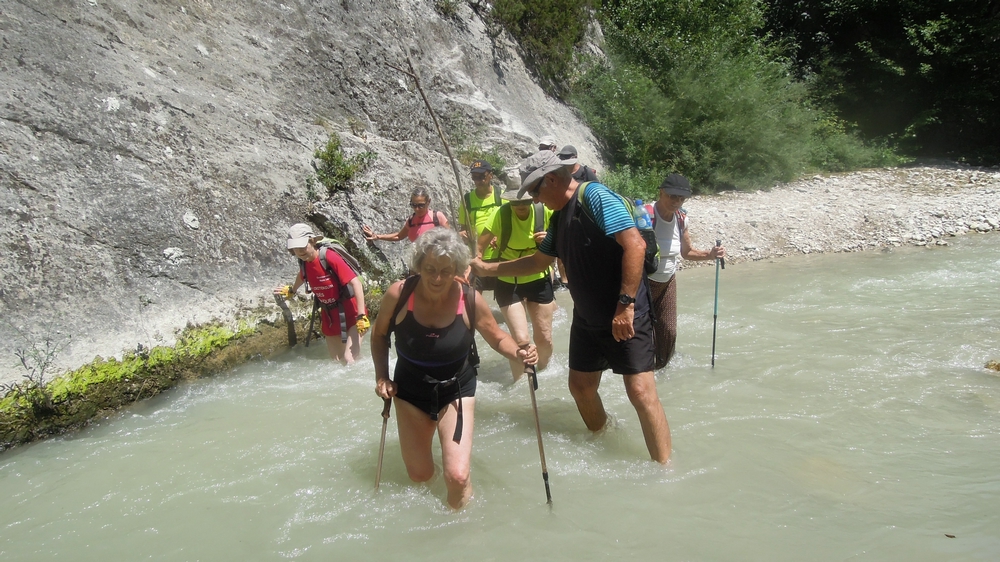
(154, 153)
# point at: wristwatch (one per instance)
(625, 299)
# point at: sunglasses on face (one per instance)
(418, 205)
(478, 176)
(533, 192)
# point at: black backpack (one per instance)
(651, 261)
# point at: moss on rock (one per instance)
(104, 386)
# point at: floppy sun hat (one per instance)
(534, 168)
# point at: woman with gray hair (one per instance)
(434, 317)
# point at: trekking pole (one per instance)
(715, 318)
(381, 446)
(532, 385)
(289, 319)
(312, 321)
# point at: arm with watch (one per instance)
(634, 253)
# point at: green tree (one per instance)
(925, 72)
(691, 87)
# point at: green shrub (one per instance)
(635, 183)
(447, 8)
(692, 90)
(336, 170)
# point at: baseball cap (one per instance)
(480, 166)
(547, 140)
(568, 151)
(676, 184)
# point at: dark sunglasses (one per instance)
(418, 205)
(478, 176)
(537, 187)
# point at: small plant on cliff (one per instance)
(38, 359)
(447, 8)
(468, 154)
(335, 170)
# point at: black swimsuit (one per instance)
(434, 367)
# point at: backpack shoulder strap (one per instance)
(506, 224)
(586, 208)
(496, 197)
(436, 217)
(409, 221)
(539, 211)
(681, 217)
(470, 311)
(323, 249)
(302, 272)
(582, 201)
(409, 284)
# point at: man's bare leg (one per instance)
(641, 390)
(583, 386)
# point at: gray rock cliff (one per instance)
(152, 154)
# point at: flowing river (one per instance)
(848, 416)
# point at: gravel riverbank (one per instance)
(850, 212)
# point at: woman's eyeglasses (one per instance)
(418, 205)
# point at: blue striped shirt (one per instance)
(605, 206)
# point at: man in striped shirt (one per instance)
(597, 240)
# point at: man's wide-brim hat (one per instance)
(534, 168)
(676, 184)
(514, 195)
(299, 236)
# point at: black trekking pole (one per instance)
(532, 385)
(715, 318)
(312, 320)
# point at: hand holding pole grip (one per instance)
(722, 261)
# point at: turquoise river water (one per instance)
(849, 416)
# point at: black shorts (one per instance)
(483, 284)
(595, 349)
(433, 397)
(539, 290)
